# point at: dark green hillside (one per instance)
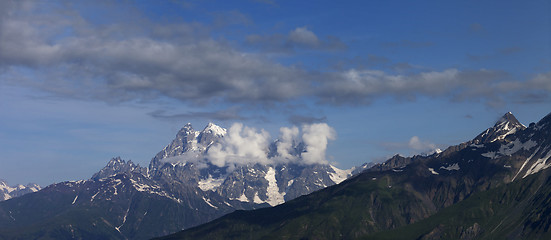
(519, 210)
(352, 209)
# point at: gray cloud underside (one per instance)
(66, 55)
(302, 119)
(223, 115)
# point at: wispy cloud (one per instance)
(304, 119)
(223, 115)
(363, 86)
(299, 38)
(414, 145)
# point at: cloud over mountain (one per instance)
(243, 145)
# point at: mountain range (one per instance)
(495, 186)
(8, 192)
(180, 188)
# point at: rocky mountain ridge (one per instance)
(8, 192)
(179, 189)
(253, 183)
(404, 191)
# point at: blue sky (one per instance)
(82, 82)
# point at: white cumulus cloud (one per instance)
(246, 145)
(302, 35)
(316, 137)
(287, 142)
(416, 143)
(242, 145)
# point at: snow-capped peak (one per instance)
(186, 130)
(8, 192)
(508, 121)
(214, 129)
(505, 126)
(115, 161)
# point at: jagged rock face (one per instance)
(210, 134)
(251, 183)
(362, 168)
(124, 206)
(116, 166)
(189, 141)
(185, 141)
(504, 153)
(9, 192)
(244, 184)
(274, 185)
(396, 161)
(532, 144)
(126, 201)
(500, 155)
(506, 125)
(311, 178)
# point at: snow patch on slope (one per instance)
(153, 189)
(75, 200)
(272, 191)
(515, 146)
(241, 198)
(539, 165)
(94, 196)
(290, 182)
(511, 148)
(209, 203)
(431, 170)
(491, 155)
(215, 129)
(454, 166)
(525, 162)
(257, 199)
(210, 184)
(339, 175)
